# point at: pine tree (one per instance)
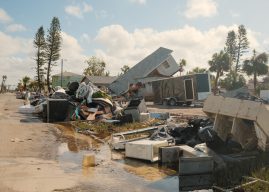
(230, 48)
(242, 45)
(53, 48)
(40, 45)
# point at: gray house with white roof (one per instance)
(159, 64)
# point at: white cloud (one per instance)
(139, 1)
(73, 56)
(87, 8)
(15, 28)
(4, 17)
(17, 57)
(120, 47)
(11, 46)
(73, 10)
(78, 10)
(200, 8)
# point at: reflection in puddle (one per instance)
(70, 160)
(112, 168)
(88, 171)
(166, 184)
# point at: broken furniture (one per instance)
(118, 140)
(169, 155)
(135, 107)
(144, 149)
(195, 169)
(246, 121)
(57, 110)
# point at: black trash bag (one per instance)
(200, 122)
(213, 141)
(72, 88)
(233, 146)
(185, 135)
(207, 134)
(59, 95)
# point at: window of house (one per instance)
(166, 64)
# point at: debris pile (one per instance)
(216, 150)
(80, 102)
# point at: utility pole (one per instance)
(62, 63)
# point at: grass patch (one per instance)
(259, 186)
(104, 130)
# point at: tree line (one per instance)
(228, 62)
(48, 53)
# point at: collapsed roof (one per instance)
(158, 64)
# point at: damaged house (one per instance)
(159, 64)
(102, 82)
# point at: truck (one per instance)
(181, 90)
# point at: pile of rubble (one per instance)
(80, 101)
(216, 150)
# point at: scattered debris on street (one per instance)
(216, 151)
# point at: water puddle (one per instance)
(111, 167)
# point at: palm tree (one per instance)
(256, 66)
(220, 63)
(182, 64)
(25, 81)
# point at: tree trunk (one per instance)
(2, 86)
(48, 77)
(38, 69)
(216, 83)
(237, 59)
(255, 81)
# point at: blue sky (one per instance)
(123, 32)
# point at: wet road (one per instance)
(36, 156)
